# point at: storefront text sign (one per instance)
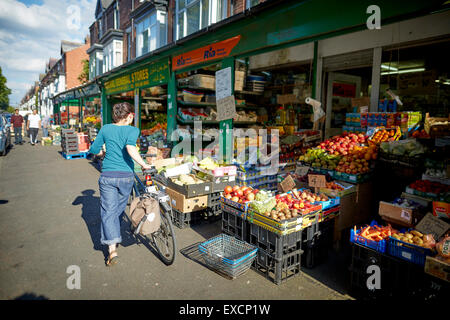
(153, 75)
(214, 51)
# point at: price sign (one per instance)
(287, 184)
(302, 171)
(226, 108)
(317, 181)
(406, 215)
(432, 225)
(223, 83)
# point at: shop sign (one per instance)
(153, 75)
(214, 51)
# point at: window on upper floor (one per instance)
(116, 18)
(151, 32)
(100, 29)
(193, 15)
(252, 3)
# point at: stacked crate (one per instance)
(69, 142)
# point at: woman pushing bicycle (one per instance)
(117, 177)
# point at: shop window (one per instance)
(151, 32)
(419, 76)
(252, 3)
(193, 15)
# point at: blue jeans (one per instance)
(18, 134)
(44, 132)
(114, 194)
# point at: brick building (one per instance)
(62, 74)
(124, 30)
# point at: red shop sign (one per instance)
(344, 90)
(214, 51)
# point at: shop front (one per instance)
(308, 113)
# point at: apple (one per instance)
(228, 196)
(235, 188)
(244, 188)
(228, 189)
(239, 193)
(250, 196)
(235, 199)
(247, 192)
(255, 191)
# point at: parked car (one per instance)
(5, 134)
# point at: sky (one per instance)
(31, 32)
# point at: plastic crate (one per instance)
(317, 241)
(274, 244)
(225, 207)
(235, 225)
(228, 254)
(408, 251)
(185, 220)
(240, 206)
(379, 246)
(398, 278)
(278, 270)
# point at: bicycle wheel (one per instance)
(164, 238)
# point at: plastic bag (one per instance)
(428, 241)
(443, 247)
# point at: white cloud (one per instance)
(30, 35)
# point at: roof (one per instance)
(106, 3)
(68, 46)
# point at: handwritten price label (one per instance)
(317, 180)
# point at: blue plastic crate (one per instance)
(408, 251)
(379, 246)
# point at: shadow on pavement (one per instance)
(4, 201)
(31, 296)
(91, 216)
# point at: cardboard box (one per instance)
(437, 268)
(181, 203)
(395, 214)
(441, 209)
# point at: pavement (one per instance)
(49, 222)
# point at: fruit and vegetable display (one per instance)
(92, 120)
(187, 179)
(240, 194)
(428, 186)
(334, 186)
(319, 158)
(421, 134)
(374, 233)
(208, 164)
(409, 148)
(357, 162)
(343, 144)
(382, 135)
(417, 238)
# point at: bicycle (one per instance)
(164, 238)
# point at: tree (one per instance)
(11, 109)
(84, 75)
(4, 92)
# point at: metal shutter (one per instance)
(348, 60)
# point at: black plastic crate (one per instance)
(398, 278)
(274, 244)
(278, 270)
(185, 220)
(317, 241)
(213, 199)
(234, 225)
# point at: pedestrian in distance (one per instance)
(117, 177)
(45, 125)
(34, 123)
(27, 134)
(17, 122)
